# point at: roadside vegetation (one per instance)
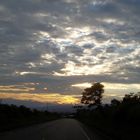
(119, 120)
(12, 116)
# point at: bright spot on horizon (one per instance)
(52, 98)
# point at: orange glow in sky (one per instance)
(42, 98)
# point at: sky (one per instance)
(50, 50)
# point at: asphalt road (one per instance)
(63, 129)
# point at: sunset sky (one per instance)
(50, 50)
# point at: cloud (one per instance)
(82, 85)
(16, 88)
(65, 42)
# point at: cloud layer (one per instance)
(59, 43)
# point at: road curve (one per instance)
(63, 129)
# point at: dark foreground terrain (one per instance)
(62, 129)
(12, 116)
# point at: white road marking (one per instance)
(84, 133)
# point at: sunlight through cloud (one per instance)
(42, 98)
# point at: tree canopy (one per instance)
(93, 95)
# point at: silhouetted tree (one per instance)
(93, 95)
(131, 98)
(115, 102)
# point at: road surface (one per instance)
(63, 129)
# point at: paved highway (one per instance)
(63, 129)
